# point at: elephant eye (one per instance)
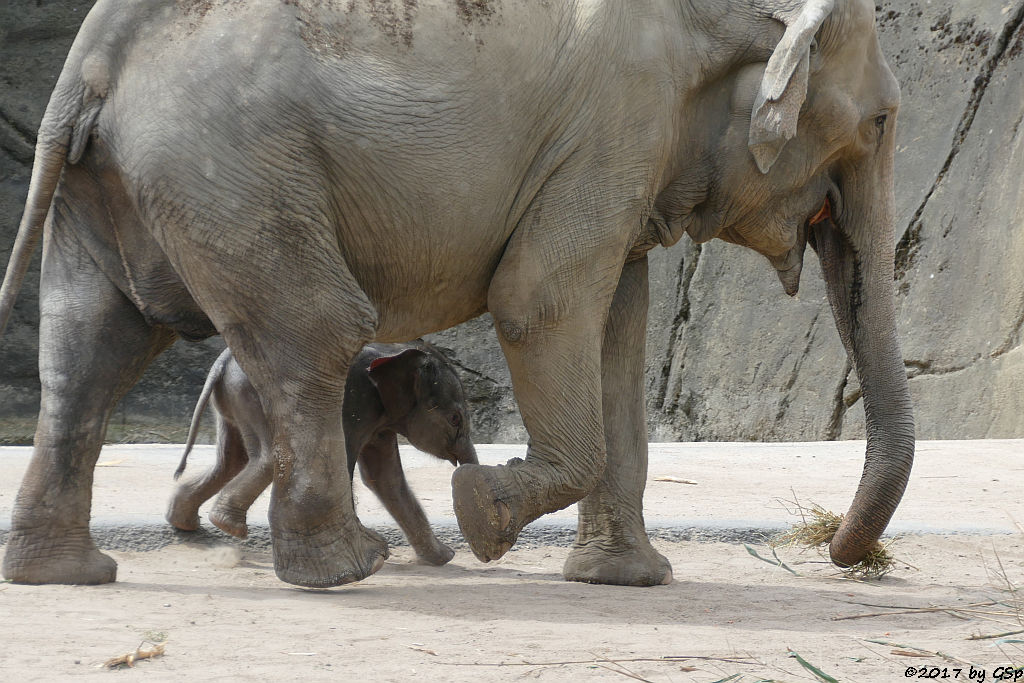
(455, 420)
(880, 121)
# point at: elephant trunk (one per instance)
(857, 264)
(465, 452)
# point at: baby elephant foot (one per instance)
(619, 565)
(182, 513)
(230, 520)
(69, 558)
(488, 508)
(437, 555)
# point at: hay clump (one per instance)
(817, 528)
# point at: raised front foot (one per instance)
(70, 559)
(328, 555)
(636, 565)
(487, 503)
(229, 520)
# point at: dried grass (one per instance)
(817, 528)
(1011, 612)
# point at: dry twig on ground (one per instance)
(930, 653)
(675, 480)
(132, 657)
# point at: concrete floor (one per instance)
(741, 489)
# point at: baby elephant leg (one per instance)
(230, 509)
(380, 466)
(183, 511)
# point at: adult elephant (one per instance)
(307, 176)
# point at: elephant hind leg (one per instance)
(611, 545)
(294, 317)
(94, 345)
(300, 376)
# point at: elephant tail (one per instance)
(62, 138)
(215, 375)
(64, 133)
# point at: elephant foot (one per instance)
(59, 557)
(328, 555)
(182, 513)
(437, 555)
(488, 508)
(636, 565)
(230, 520)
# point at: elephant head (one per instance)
(424, 398)
(805, 156)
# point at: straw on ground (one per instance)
(817, 528)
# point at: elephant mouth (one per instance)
(789, 266)
(824, 213)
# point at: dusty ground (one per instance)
(225, 616)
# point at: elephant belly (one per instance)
(411, 317)
(428, 289)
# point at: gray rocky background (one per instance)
(730, 357)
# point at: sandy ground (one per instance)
(727, 616)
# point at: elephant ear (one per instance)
(394, 377)
(784, 86)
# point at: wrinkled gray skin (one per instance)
(408, 389)
(307, 177)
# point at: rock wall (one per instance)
(34, 39)
(730, 357)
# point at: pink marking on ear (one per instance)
(377, 362)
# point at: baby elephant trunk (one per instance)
(464, 453)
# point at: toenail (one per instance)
(504, 515)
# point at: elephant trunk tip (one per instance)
(871, 563)
(847, 548)
(465, 456)
(857, 544)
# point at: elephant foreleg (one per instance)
(612, 545)
(549, 298)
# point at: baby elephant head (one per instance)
(424, 399)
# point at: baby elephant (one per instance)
(407, 389)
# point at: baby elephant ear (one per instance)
(784, 86)
(394, 376)
(404, 355)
